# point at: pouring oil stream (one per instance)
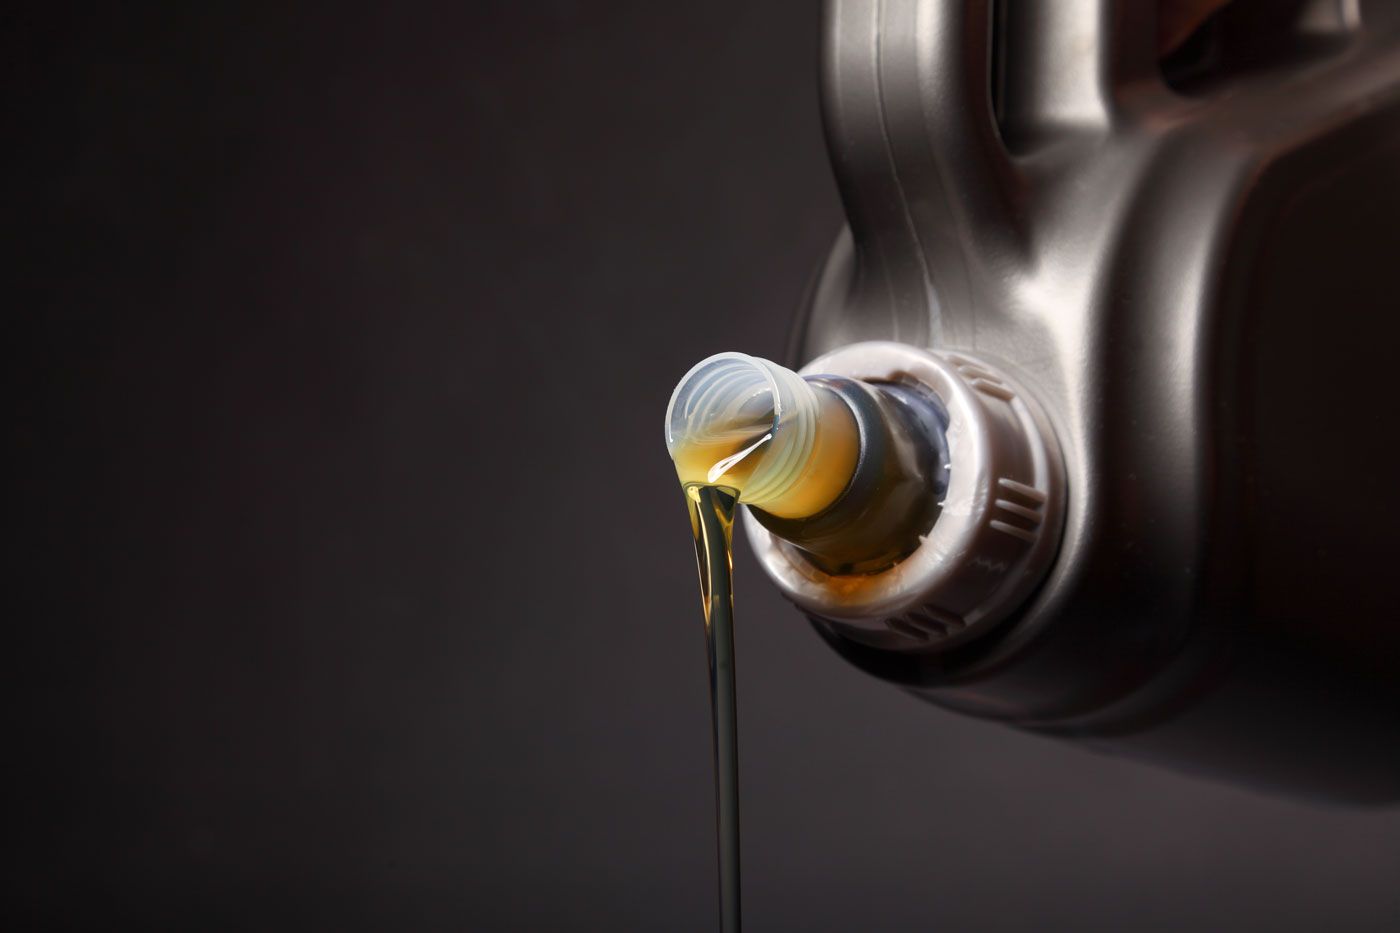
(712, 520)
(743, 429)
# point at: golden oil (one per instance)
(714, 472)
(712, 521)
(729, 454)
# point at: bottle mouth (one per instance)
(996, 532)
(741, 421)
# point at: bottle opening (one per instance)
(760, 429)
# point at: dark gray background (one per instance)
(353, 587)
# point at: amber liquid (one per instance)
(713, 474)
(728, 458)
(712, 520)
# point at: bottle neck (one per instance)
(894, 495)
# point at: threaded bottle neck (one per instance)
(747, 423)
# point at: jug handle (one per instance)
(935, 201)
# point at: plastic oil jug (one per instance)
(1093, 430)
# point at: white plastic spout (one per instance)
(761, 429)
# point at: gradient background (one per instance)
(353, 588)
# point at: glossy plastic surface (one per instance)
(1198, 279)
